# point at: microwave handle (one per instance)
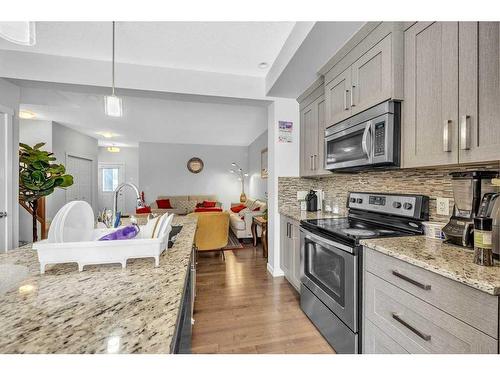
(364, 142)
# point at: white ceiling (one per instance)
(223, 47)
(148, 116)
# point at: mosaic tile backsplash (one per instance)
(434, 182)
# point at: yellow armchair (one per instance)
(212, 232)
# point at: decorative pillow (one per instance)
(209, 204)
(243, 212)
(188, 206)
(256, 209)
(143, 210)
(238, 208)
(164, 203)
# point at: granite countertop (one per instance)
(453, 262)
(297, 214)
(104, 309)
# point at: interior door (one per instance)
(6, 151)
(371, 77)
(110, 176)
(479, 108)
(337, 98)
(430, 117)
(81, 170)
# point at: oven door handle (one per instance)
(324, 241)
(364, 142)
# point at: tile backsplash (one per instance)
(434, 182)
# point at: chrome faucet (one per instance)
(139, 202)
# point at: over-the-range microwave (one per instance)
(368, 139)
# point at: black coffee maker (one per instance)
(312, 201)
(468, 189)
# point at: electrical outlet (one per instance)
(443, 206)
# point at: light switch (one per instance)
(443, 206)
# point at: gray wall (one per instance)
(10, 98)
(163, 171)
(68, 141)
(257, 186)
(129, 157)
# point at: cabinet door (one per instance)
(430, 111)
(285, 256)
(371, 77)
(320, 158)
(479, 106)
(375, 341)
(296, 256)
(310, 140)
(337, 97)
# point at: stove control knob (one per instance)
(352, 200)
(396, 205)
(407, 206)
(359, 200)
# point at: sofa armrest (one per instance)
(248, 217)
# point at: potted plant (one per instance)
(38, 177)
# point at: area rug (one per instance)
(233, 242)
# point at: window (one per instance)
(109, 179)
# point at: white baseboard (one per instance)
(273, 272)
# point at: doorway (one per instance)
(6, 175)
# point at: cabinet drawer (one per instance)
(375, 341)
(418, 326)
(474, 307)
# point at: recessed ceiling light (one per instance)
(107, 134)
(27, 115)
(263, 65)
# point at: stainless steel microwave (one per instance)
(368, 139)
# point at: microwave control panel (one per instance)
(379, 138)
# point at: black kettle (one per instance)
(311, 201)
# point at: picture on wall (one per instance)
(285, 132)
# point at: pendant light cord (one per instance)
(113, 62)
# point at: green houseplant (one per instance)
(38, 177)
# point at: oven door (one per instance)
(329, 271)
(349, 147)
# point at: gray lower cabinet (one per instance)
(409, 309)
(290, 250)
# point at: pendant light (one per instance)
(113, 103)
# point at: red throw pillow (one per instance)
(163, 203)
(208, 209)
(143, 210)
(238, 208)
(256, 209)
(209, 204)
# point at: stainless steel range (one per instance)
(331, 260)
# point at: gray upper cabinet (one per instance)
(430, 110)
(338, 97)
(371, 77)
(366, 72)
(312, 133)
(452, 93)
(479, 94)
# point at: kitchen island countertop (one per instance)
(104, 309)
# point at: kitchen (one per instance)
(355, 243)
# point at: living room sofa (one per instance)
(182, 204)
(241, 222)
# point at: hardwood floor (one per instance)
(241, 308)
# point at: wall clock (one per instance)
(195, 165)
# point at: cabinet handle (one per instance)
(289, 230)
(465, 132)
(352, 95)
(411, 281)
(446, 136)
(311, 162)
(346, 107)
(420, 334)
